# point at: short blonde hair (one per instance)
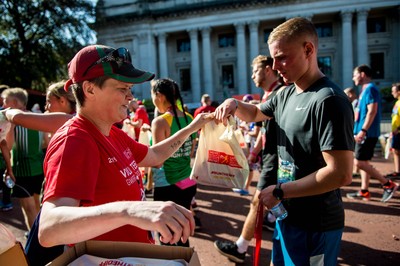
(18, 93)
(293, 29)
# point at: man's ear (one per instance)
(308, 48)
(88, 88)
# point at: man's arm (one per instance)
(5, 151)
(46, 122)
(336, 173)
(372, 110)
(245, 111)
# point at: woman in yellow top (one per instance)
(395, 136)
(173, 182)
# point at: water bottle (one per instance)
(279, 211)
(8, 181)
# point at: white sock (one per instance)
(242, 244)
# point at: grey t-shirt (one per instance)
(319, 119)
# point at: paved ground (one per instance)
(370, 236)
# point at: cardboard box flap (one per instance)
(121, 249)
(113, 250)
(14, 256)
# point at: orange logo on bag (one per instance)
(222, 158)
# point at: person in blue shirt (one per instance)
(366, 132)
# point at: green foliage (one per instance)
(148, 103)
(39, 37)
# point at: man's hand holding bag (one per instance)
(220, 160)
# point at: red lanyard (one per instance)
(258, 233)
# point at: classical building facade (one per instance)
(207, 46)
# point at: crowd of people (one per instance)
(92, 172)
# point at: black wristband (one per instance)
(364, 130)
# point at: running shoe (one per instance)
(359, 195)
(6, 207)
(230, 250)
(393, 175)
(388, 191)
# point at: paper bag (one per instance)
(144, 137)
(220, 160)
(128, 129)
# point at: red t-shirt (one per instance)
(204, 109)
(140, 113)
(76, 167)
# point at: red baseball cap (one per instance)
(95, 61)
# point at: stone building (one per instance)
(207, 45)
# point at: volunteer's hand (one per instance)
(224, 110)
(170, 220)
(200, 120)
(145, 127)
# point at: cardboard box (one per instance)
(113, 250)
(14, 256)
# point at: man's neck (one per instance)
(306, 81)
(365, 83)
(270, 85)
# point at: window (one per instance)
(183, 45)
(324, 29)
(226, 40)
(227, 77)
(377, 65)
(185, 81)
(267, 32)
(375, 25)
(325, 65)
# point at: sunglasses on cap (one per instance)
(119, 56)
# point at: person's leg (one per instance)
(236, 251)
(364, 153)
(27, 189)
(396, 160)
(366, 167)
(29, 210)
(6, 204)
(249, 225)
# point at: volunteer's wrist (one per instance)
(236, 103)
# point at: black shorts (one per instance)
(26, 186)
(365, 151)
(173, 193)
(395, 142)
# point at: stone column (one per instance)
(347, 48)
(208, 86)
(163, 54)
(254, 49)
(241, 67)
(362, 39)
(195, 64)
(145, 59)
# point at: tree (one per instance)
(39, 37)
